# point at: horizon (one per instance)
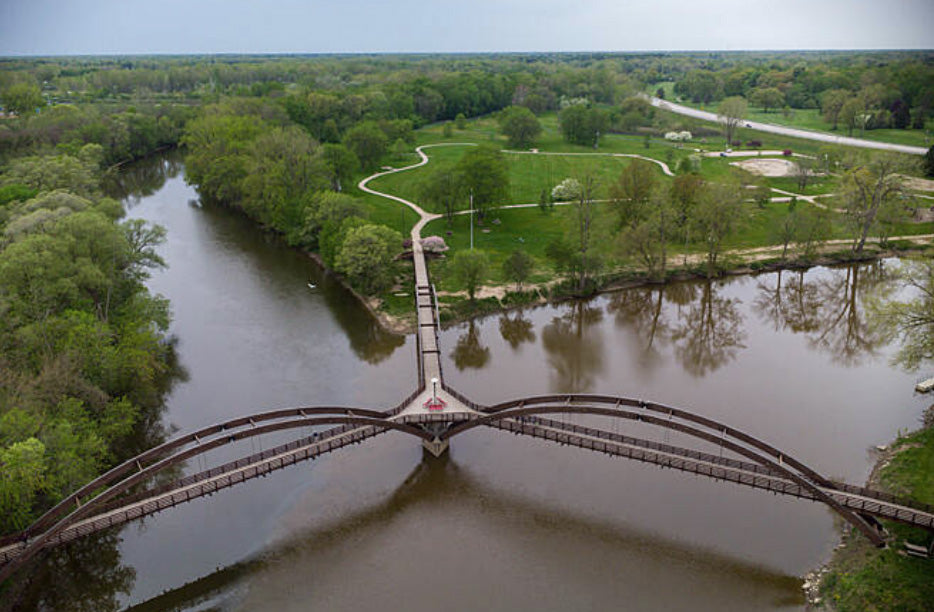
(465, 53)
(46, 28)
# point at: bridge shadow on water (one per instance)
(440, 484)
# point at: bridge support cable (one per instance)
(755, 455)
(723, 430)
(169, 447)
(873, 504)
(33, 545)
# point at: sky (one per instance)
(68, 27)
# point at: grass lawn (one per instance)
(531, 230)
(865, 578)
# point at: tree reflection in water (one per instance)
(574, 348)
(642, 311)
(142, 178)
(826, 306)
(468, 352)
(84, 575)
(708, 334)
(516, 330)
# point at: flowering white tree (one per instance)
(434, 244)
(678, 136)
(568, 189)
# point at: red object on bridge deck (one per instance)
(435, 403)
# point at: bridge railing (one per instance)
(901, 500)
(462, 398)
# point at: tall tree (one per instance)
(584, 209)
(520, 125)
(648, 240)
(716, 217)
(582, 125)
(517, 268)
(340, 163)
(831, 104)
(731, 113)
(445, 189)
(368, 142)
(767, 98)
(485, 177)
(367, 254)
(631, 192)
(470, 269)
(868, 186)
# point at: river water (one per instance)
(501, 522)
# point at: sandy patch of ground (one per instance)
(918, 184)
(767, 167)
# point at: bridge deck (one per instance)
(687, 460)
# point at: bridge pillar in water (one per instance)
(436, 447)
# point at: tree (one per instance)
(325, 211)
(731, 113)
(460, 121)
(368, 142)
(282, 165)
(929, 162)
(812, 226)
(470, 269)
(517, 268)
(631, 191)
(582, 125)
(803, 171)
(831, 104)
(340, 164)
(648, 239)
(868, 187)
(716, 217)
(445, 189)
(484, 174)
(79, 174)
(367, 254)
(520, 125)
(584, 209)
(767, 98)
(566, 190)
(852, 114)
(909, 318)
(22, 98)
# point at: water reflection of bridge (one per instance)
(140, 486)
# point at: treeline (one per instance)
(124, 133)
(867, 90)
(248, 155)
(83, 353)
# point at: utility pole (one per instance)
(471, 219)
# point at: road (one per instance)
(788, 131)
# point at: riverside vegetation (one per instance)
(605, 197)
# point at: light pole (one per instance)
(471, 220)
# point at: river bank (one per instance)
(496, 299)
(859, 576)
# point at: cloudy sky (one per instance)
(37, 27)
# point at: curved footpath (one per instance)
(788, 131)
(421, 269)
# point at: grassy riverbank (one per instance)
(861, 577)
